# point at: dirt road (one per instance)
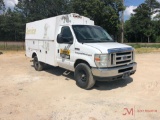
(26, 94)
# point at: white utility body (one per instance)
(73, 42)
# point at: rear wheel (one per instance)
(37, 64)
(83, 76)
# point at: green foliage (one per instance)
(11, 27)
(105, 13)
(12, 23)
(2, 6)
(39, 9)
(158, 39)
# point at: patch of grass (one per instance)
(2, 47)
(145, 45)
(11, 47)
(147, 50)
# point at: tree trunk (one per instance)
(148, 39)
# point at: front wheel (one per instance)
(37, 64)
(83, 76)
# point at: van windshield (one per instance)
(90, 34)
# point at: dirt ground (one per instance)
(26, 94)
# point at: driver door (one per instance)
(65, 48)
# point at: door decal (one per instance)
(65, 53)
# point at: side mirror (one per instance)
(69, 40)
(59, 39)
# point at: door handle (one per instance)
(77, 48)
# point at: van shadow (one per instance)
(113, 84)
(98, 86)
(59, 72)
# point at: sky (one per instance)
(10, 3)
(130, 6)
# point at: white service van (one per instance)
(73, 42)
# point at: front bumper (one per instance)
(116, 71)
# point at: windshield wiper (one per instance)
(106, 40)
(91, 40)
(88, 41)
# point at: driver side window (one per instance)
(66, 32)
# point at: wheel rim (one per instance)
(36, 63)
(82, 76)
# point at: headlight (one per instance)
(101, 60)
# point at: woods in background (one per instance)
(144, 25)
(106, 13)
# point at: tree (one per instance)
(2, 6)
(141, 23)
(39, 9)
(156, 24)
(105, 13)
(153, 5)
(12, 27)
(2, 11)
(31, 10)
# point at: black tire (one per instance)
(83, 76)
(37, 65)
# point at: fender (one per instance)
(89, 60)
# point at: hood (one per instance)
(110, 46)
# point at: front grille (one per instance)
(123, 62)
(121, 58)
(125, 53)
